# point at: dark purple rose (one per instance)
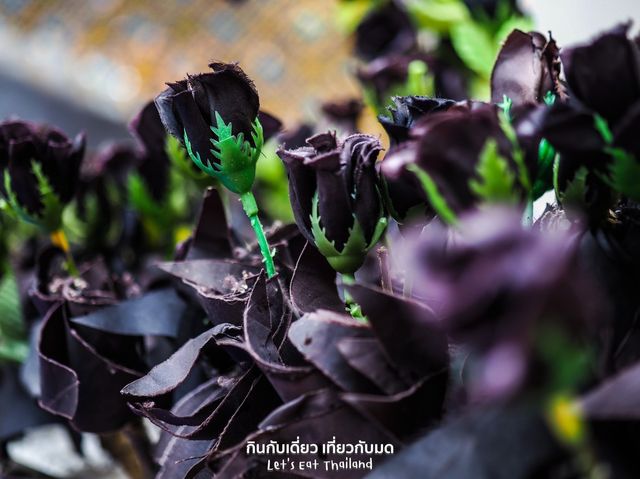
(496, 286)
(25, 146)
(448, 145)
(296, 137)
(406, 111)
(527, 67)
(604, 83)
(337, 185)
(191, 105)
(385, 30)
(344, 114)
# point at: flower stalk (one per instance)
(251, 209)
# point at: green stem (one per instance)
(251, 209)
(352, 306)
(527, 218)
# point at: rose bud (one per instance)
(218, 109)
(40, 168)
(527, 68)
(385, 30)
(335, 196)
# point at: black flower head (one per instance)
(453, 144)
(405, 112)
(335, 195)
(468, 152)
(40, 167)
(605, 74)
(226, 101)
(595, 131)
(527, 68)
(385, 30)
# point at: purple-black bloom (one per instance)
(527, 68)
(32, 154)
(385, 30)
(335, 195)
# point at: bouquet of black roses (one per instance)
(419, 319)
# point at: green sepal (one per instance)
(624, 169)
(180, 160)
(575, 191)
(355, 249)
(545, 179)
(13, 336)
(624, 173)
(436, 200)
(50, 218)
(236, 169)
(517, 153)
(496, 180)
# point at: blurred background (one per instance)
(90, 64)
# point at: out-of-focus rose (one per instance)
(40, 167)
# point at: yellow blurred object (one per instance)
(59, 239)
(113, 55)
(566, 420)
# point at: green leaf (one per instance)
(568, 361)
(574, 193)
(624, 173)
(437, 201)
(516, 151)
(496, 180)
(544, 178)
(350, 13)
(438, 15)
(475, 46)
(13, 345)
(51, 217)
(603, 128)
(180, 160)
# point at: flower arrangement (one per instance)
(416, 319)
